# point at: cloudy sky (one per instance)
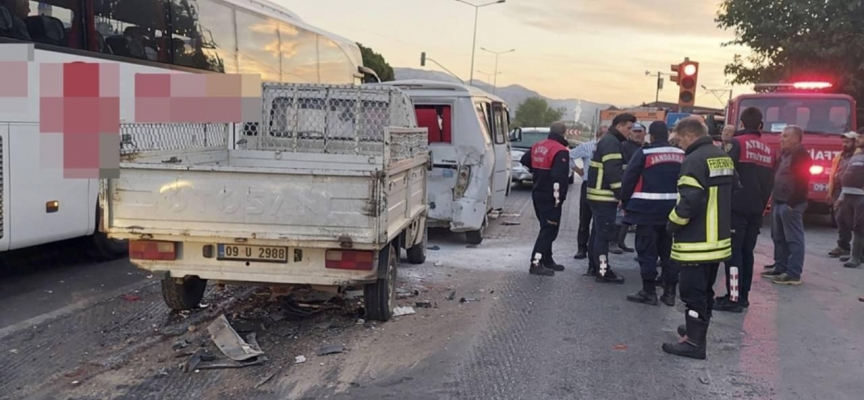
(597, 50)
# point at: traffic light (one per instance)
(687, 81)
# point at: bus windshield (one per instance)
(814, 115)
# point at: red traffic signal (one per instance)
(687, 81)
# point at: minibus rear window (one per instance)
(437, 120)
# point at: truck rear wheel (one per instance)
(417, 253)
(183, 296)
(380, 297)
(476, 237)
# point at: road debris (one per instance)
(511, 223)
(229, 342)
(234, 365)
(268, 377)
(434, 248)
(425, 304)
(620, 347)
(327, 350)
(180, 344)
(400, 311)
(405, 293)
(299, 359)
(468, 300)
(452, 295)
(439, 264)
(861, 299)
(194, 360)
(131, 297)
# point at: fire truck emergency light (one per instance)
(811, 85)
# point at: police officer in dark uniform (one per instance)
(648, 195)
(701, 227)
(754, 162)
(634, 142)
(604, 196)
(549, 163)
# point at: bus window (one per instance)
(299, 54)
(501, 127)
(258, 46)
(51, 22)
(203, 35)
(335, 68)
(134, 29)
(437, 120)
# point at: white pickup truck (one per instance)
(325, 191)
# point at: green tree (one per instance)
(377, 63)
(798, 39)
(536, 112)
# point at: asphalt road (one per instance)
(527, 337)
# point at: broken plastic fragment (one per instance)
(299, 360)
(400, 311)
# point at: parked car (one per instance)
(519, 145)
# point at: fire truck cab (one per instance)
(824, 117)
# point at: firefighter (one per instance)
(634, 142)
(549, 163)
(604, 194)
(700, 225)
(754, 163)
(648, 194)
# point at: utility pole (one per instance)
(496, 53)
(659, 84)
(719, 92)
(476, 15)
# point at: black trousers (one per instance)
(584, 218)
(603, 231)
(697, 289)
(549, 217)
(653, 243)
(745, 234)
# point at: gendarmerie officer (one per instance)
(648, 195)
(754, 162)
(701, 227)
(604, 196)
(549, 163)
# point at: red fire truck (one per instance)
(823, 115)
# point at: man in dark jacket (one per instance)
(604, 196)
(648, 195)
(754, 162)
(549, 163)
(701, 225)
(635, 141)
(850, 204)
(791, 185)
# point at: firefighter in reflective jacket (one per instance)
(549, 163)
(701, 227)
(648, 194)
(604, 196)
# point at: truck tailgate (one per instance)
(236, 204)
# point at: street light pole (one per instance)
(495, 84)
(474, 44)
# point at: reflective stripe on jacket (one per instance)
(702, 218)
(649, 189)
(607, 167)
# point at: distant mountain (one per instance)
(514, 95)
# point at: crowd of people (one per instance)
(695, 203)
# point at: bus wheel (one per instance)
(380, 297)
(184, 295)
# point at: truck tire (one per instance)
(476, 237)
(103, 248)
(417, 253)
(379, 298)
(183, 296)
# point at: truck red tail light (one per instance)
(152, 250)
(816, 169)
(349, 259)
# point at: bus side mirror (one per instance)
(516, 135)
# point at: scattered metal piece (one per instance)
(192, 362)
(511, 223)
(452, 295)
(229, 342)
(405, 293)
(468, 300)
(334, 349)
(181, 344)
(423, 304)
(400, 311)
(234, 365)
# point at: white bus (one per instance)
(38, 205)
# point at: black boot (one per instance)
(581, 254)
(648, 294)
(610, 277)
(553, 265)
(694, 344)
(668, 297)
(541, 270)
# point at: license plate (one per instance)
(237, 252)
